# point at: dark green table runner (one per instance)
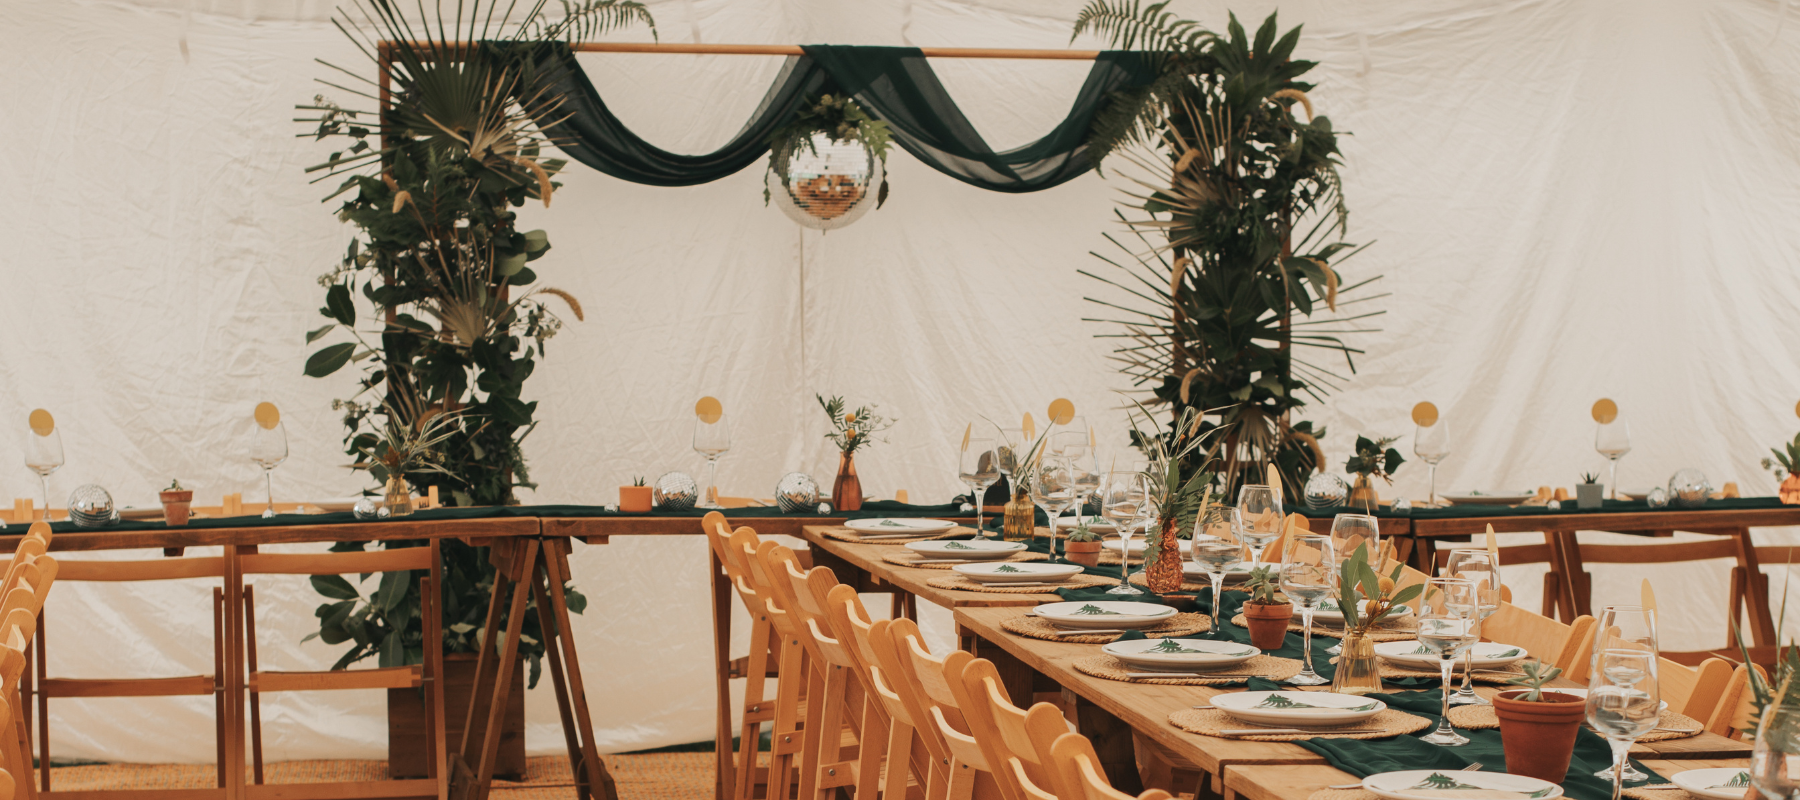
(1606, 507)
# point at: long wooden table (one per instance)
(528, 562)
(1266, 782)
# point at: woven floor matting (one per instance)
(843, 534)
(962, 584)
(910, 560)
(1482, 717)
(1179, 625)
(650, 776)
(1387, 632)
(1208, 722)
(1112, 669)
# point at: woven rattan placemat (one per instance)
(963, 584)
(909, 560)
(844, 534)
(1208, 722)
(1034, 628)
(1263, 666)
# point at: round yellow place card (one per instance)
(1605, 411)
(709, 410)
(42, 423)
(1425, 415)
(1797, 409)
(1061, 411)
(267, 415)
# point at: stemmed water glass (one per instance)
(1308, 575)
(1448, 626)
(1478, 566)
(1259, 517)
(1431, 443)
(1348, 532)
(1217, 548)
(1623, 703)
(979, 466)
(1086, 480)
(1053, 490)
(44, 455)
(1623, 629)
(1125, 500)
(1777, 747)
(712, 439)
(268, 448)
(1613, 440)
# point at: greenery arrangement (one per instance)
(1788, 460)
(1375, 458)
(175, 486)
(1356, 577)
(637, 481)
(1537, 674)
(1589, 477)
(1262, 584)
(850, 431)
(431, 171)
(1230, 238)
(1177, 482)
(841, 119)
(1083, 532)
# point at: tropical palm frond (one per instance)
(1131, 25)
(585, 19)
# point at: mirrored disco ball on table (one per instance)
(1325, 489)
(1689, 488)
(675, 491)
(828, 185)
(91, 506)
(797, 493)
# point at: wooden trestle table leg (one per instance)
(723, 777)
(514, 561)
(1762, 620)
(565, 665)
(1565, 561)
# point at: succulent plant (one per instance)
(1083, 533)
(1589, 477)
(637, 481)
(1537, 673)
(1262, 585)
(175, 486)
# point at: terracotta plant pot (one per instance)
(176, 506)
(1086, 554)
(1539, 737)
(1268, 624)
(635, 499)
(1790, 490)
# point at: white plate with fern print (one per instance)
(1185, 654)
(1725, 783)
(1438, 784)
(1016, 573)
(1297, 708)
(922, 527)
(972, 550)
(1413, 655)
(1327, 611)
(1103, 614)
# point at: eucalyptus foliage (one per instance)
(433, 300)
(1231, 235)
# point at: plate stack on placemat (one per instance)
(890, 530)
(1262, 666)
(1035, 628)
(909, 560)
(963, 584)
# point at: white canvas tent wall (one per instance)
(1572, 200)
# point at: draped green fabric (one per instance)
(894, 84)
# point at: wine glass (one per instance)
(1217, 548)
(1431, 443)
(1623, 703)
(44, 455)
(1348, 532)
(1777, 746)
(1086, 480)
(1053, 490)
(1478, 566)
(979, 466)
(1125, 500)
(1308, 575)
(1449, 624)
(268, 448)
(1259, 514)
(1624, 628)
(712, 439)
(1613, 440)
(1012, 447)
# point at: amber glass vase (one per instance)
(1020, 524)
(399, 500)
(846, 491)
(1357, 670)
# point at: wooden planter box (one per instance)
(409, 742)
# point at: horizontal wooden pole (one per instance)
(794, 50)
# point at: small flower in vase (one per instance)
(850, 431)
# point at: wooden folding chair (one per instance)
(1514, 555)
(1737, 704)
(1073, 755)
(792, 668)
(907, 755)
(427, 677)
(47, 687)
(1008, 735)
(739, 772)
(30, 577)
(936, 685)
(1676, 552)
(1552, 642)
(836, 707)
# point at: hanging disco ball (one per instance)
(827, 185)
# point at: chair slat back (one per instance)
(1693, 691)
(1737, 703)
(892, 647)
(1074, 754)
(1004, 730)
(1550, 641)
(935, 676)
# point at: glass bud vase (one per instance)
(846, 490)
(399, 500)
(1020, 523)
(1357, 669)
(1162, 568)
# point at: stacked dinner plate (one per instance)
(1103, 614)
(1437, 784)
(1184, 655)
(899, 526)
(1297, 709)
(1411, 654)
(1017, 573)
(972, 550)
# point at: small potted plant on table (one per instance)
(1589, 492)
(1537, 728)
(1082, 546)
(1265, 616)
(1789, 461)
(1366, 598)
(1374, 459)
(850, 431)
(636, 498)
(176, 503)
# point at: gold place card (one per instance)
(1425, 415)
(1605, 411)
(709, 410)
(267, 415)
(41, 422)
